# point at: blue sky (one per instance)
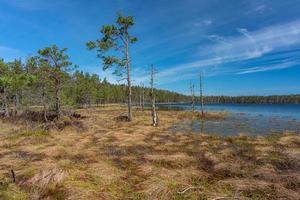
(245, 47)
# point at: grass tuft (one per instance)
(39, 133)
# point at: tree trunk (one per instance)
(128, 80)
(154, 114)
(193, 97)
(129, 96)
(44, 103)
(140, 102)
(201, 96)
(5, 103)
(16, 104)
(143, 99)
(57, 99)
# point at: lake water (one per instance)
(250, 119)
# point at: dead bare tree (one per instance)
(192, 87)
(154, 113)
(201, 95)
(140, 98)
(143, 97)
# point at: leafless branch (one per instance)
(189, 188)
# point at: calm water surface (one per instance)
(251, 119)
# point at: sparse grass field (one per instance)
(105, 159)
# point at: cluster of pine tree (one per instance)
(38, 81)
(50, 81)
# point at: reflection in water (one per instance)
(237, 123)
(201, 126)
(272, 110)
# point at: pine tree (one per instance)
(19, 81)
(5, 80)
(59, 64)
(115, 42)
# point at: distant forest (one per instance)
(113, 93)
(274, 99)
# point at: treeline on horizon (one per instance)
(273, 99)
(29, 83)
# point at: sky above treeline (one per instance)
(245, 47)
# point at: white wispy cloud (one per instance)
(217, 38)
(245, 32)
(240, 48)
(260, 8)
(205, 22)
(268, 67)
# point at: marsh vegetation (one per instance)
(104, 158)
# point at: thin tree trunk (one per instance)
(16, 104)
(143, 98)
(128, 80)
(5, 102)
(90, 102)
(201, 96)
(44, 103)
(140, 100)
(154, 113)
(57, 99)
(193, 96)
(129, 98)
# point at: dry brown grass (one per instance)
(100, 157)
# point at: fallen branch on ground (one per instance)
(187, 189)
(225, 198)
